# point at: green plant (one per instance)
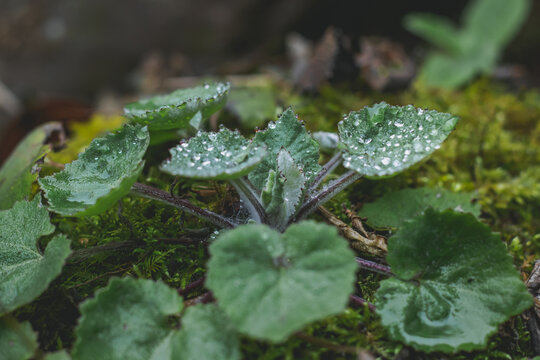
(271, 271)
(488, 26)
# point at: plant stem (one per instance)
(165, 197)
(249, 196)
(375, 267)
(325, 194)
(82, 254)
(191, 286)
(201, 299)
(358, 300)
(326, 169)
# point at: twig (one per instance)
(327, 344)
(375, 246)
(356, 222)
(358, 300)
(82, 254)
(165, 197)
(326, 169)
(99, 277)
(325, 194)
(251, 199)
(201, 299)
(191, 286)
(375, 267)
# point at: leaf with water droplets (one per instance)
(179, 109)
(24, 272)
(271, 285)
(100, 176)
(290, 134)
(384, 214)
(383, 139)
(455, 283)
(126, 320)
(17, 340)
(221, 156)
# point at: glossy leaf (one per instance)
(383, 139)
(290, 134)
(20, 171)
(100, 176)
(125, 320)
(384, 214)
(24, 272)
(455, 283)
(271, 285)
(179, 108)
(206, 333)
(17, 340)
(222, 155)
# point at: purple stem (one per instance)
(191, 286)
(326, 169)
(375, 267)
(358, 300)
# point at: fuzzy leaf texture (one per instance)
(222, 155)
(455, 283)
(125, 320)
(383, 139)
(384, 214)
(180, 109)
(100, 176)
(24, 272)
(17, 340)
(271, 285)
(19, 171)
(290, 134)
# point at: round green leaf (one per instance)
(100, 176)
(384, 139)
(206, 334)
(384, 214)
(455, 283)
(24, 272)
(222, 155)
(177, 109)
(125, 320)
(271, 285)
(17, 340)
(290, 134)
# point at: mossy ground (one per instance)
(495, 151)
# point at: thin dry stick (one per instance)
(99, 277)
(376, 247)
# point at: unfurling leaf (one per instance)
(384, 214)
(100, 176)
(290, 134)
(271, 284)
(222, 155)
(383, 139)
(455, 283)
(17, 340)
(179, 109)
(125, 320)
(24, 272)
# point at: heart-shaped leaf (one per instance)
(383, 139)
(100, 176)
(19, 172)
(290, 134)
(222, 155)
(455, 283)
(24, 272)
(125, 320)
(384, 214)
(177, 109)
(17, 340)
(271, 284)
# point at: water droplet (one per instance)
(385, 161)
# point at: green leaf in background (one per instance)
(488, 26)
(271, 285)
(222, 155)
(290, 134)
(252, 105)
(125, 320)
(17, 340)
(455, 283)
(178, 109)
(385, 214)
(206, 333)
(383, 139)
(58, 355)
(24, 272)
(17, 173)
(328, 141)
(100, 176)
